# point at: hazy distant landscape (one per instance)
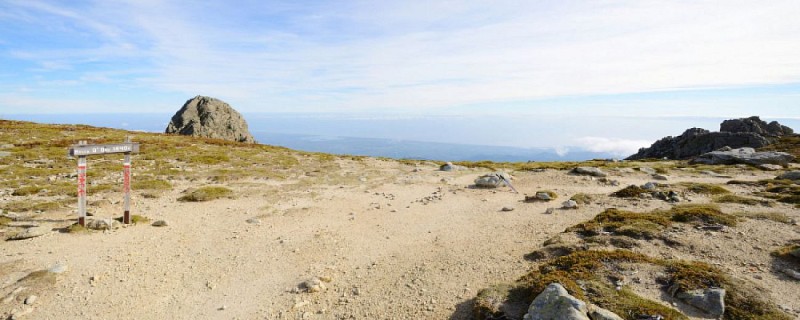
(453, 138)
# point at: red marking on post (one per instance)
(82, 221)
(126, 178)
(81, 184)
(126, 217)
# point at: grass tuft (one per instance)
(582, 198)
(631, 191)
(704, 188)
(77, 228)
(706, 213)
(206, 193)
(732, 198)
(632, 224)
(773, 216)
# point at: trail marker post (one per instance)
(82, 150)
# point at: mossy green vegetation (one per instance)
(34, 205)
(589, 276)
(27, 190)
(705, 213)
(789, 144)
(764, 215)
(632, 224)
(631, 191)
(785, 252)
(135, 219)
(650, 225)
(206, 193)
(582, 198)
(732, 198)
(704, 188)
(76, 228)
(552, 194)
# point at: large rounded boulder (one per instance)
(210, 118)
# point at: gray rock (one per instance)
(711, 300)
(738, 133)
(253, 221)
(58, 268)
(770, 167)
(507, 209)
(791, 175)
(649, 186)
(210, 118)
(660, 177)
(569, 204)
(30, 299)
(755, 125)
(589, 171)
(597, 313)
(745, 156)
(102, 224)
(544, 196)
(550, 211)
(791, 273)
(556, 303)
(160, 223)
(32, 232)
(449, 166)
(647, 170)
(4, 154)
(492, 180)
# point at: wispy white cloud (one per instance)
(425, 56)
(615, 146)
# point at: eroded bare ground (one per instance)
(392, 242)
(383, 239)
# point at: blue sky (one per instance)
(723, 58)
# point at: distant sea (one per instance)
(447, 138)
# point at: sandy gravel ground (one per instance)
(388, 240)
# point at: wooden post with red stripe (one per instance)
(82, 188)
(126, 185)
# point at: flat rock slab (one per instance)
(589, 171)
(31, 233)
(745, 156)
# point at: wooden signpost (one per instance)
(82, 150)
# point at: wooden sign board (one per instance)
(82, 150)
(78, 150)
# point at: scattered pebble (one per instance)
(160, 223)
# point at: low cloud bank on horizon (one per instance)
(405, 56)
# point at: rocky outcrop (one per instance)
(737, 133)
(210, 118)
(744, 155)
(755, 125)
